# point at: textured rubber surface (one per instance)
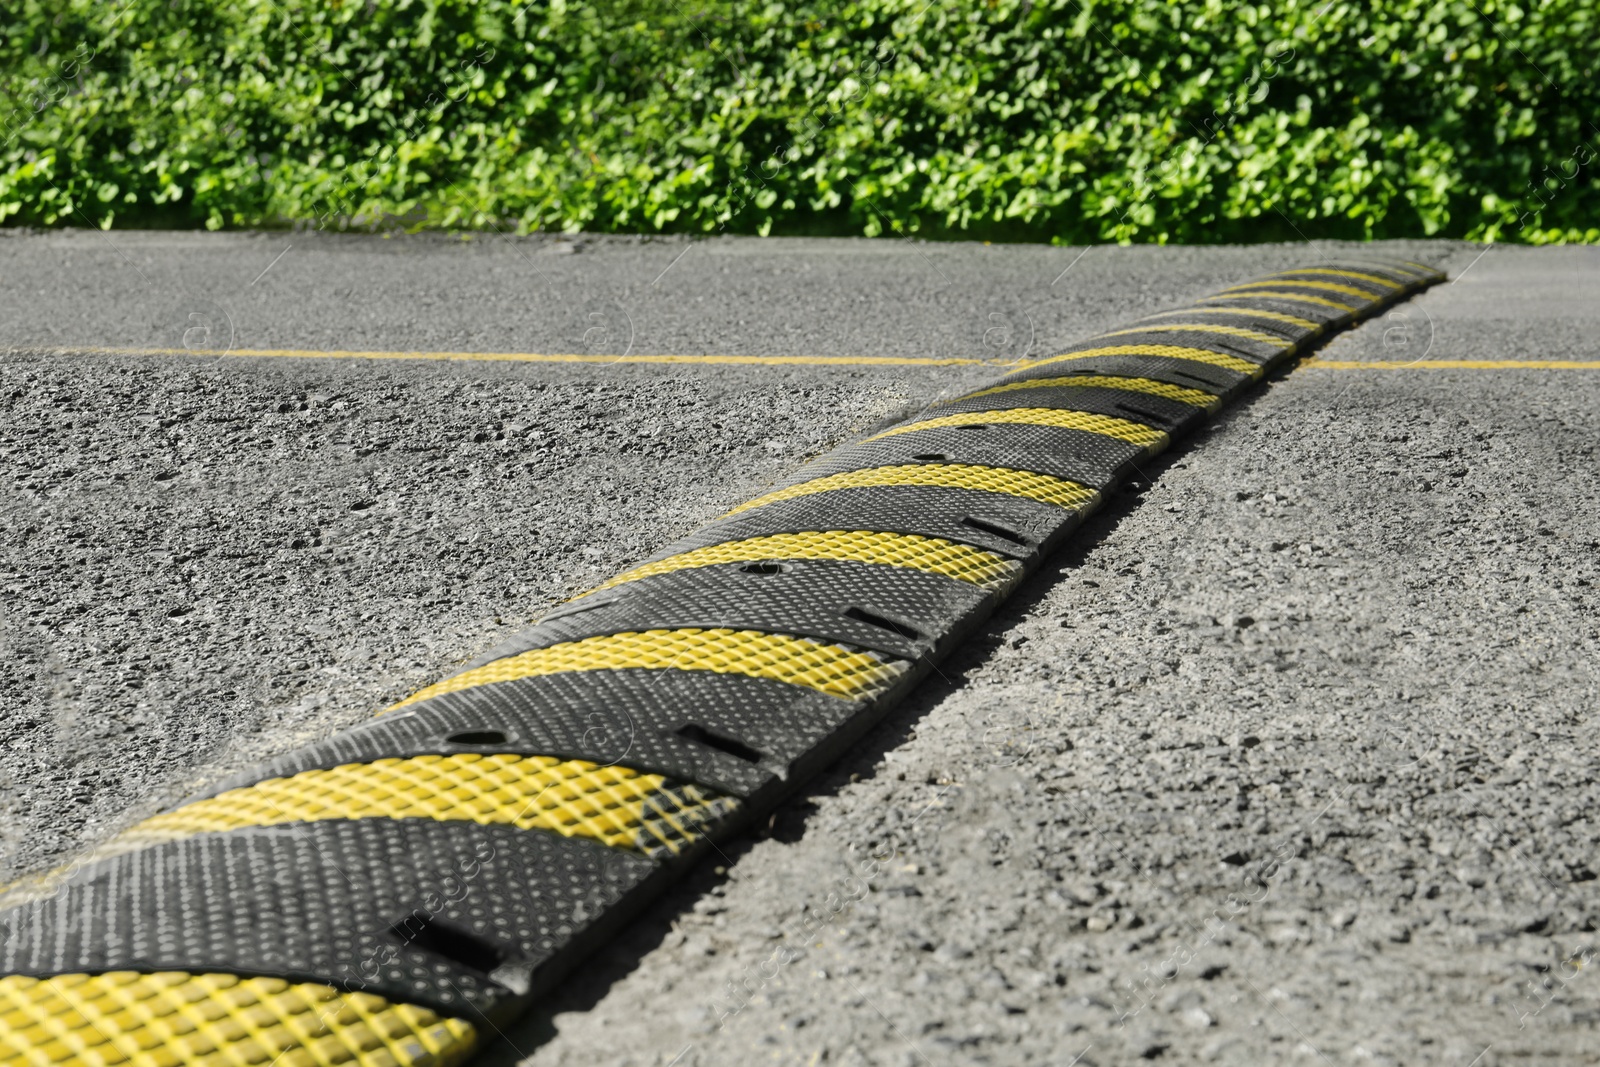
(1173, 413)
(1105, 425)
(617, 806)
(827, 668)
(661, 722)
(1087, 459)
(380, 896)
(1290, 327)
(1119, 391)
(451, 916)
(153, 1020)
(1215, 356)
(953, 513)
(934, 555)
(1045, 488)
(1202, 334)
(822, 599)
(1221, 382)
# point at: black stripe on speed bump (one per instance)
(1169, 416)
(694, 725)
(824, 599)
(1078, 456)
(1218, 381)
(1009, 525)
(1226, 344)
(319, 901)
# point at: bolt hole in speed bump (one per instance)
(394, 893)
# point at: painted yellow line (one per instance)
(1453, 364)
(539, 357)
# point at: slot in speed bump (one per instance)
(386, 896)
(934, 555)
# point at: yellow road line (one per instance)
(540, 357)
(1453, 364)
(848, 361)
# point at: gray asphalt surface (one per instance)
(1286, 759)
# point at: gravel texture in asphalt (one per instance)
(1285, 756)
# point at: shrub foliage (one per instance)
(1066, 120)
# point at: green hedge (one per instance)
(1065, 120)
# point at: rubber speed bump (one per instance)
(391, 894)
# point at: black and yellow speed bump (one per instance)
(391, 895)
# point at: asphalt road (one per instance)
(1285, 759)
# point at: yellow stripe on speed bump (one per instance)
(1195, 398)
(1193, 355)
(1272, 316)
(1299, 298)
(1135, 433)
(171, 1017)
(831, 669)
(1328, 272)
(933, 555)
(1205, 327)
(617, 806)
(1327, 287)
(1042, 487)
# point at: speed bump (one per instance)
(392, 894)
